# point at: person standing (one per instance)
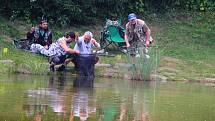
(137, 32)
(85, 43)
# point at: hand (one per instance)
(46, 47)
(93, 41)
(77, 52)
(147, 43)
(32, 29)
(115, 23)
(128, 45)
(76, 35)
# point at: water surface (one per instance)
(64, 97)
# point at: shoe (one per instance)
(137, 55)
(50, 59)
(124, 51)
(101, 51)
(146, 50)
(147, 56)
(62, 68)
(51, 67)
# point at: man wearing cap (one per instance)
(85, 43)
(137, 31)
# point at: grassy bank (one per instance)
(186, 46)
(17, 61)
(13, 60)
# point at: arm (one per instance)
(36, 34)
(67, 49)
(126, 41)
(78, 40)
(30, 36)
(126, 37)
(148, 38)
(49, 42)
(147, 31)
(96, 44)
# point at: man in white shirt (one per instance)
(85, 43)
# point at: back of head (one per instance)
(70, 34)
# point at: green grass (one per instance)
(144, 65)
(187, 37)
(20, 61)
(8, 29)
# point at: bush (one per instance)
(68, 12)
(194, 5)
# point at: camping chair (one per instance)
(113, 34)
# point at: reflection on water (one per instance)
(53, 96)
(83, 89)
(66, 98)
(39, 100)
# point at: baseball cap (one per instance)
(132, 16)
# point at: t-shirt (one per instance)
(83, 47)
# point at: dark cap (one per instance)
(43, 21)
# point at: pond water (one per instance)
(63, 97)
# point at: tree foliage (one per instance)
(194, 5)
(64, 12)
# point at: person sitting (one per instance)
(85, 43)
(58, 51)
(41, 34)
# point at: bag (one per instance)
(84, 64)
(23, 44)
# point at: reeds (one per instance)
(143, 62)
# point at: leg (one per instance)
(69, 58)
(37, 48)
(96, 59)
(56, 60)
